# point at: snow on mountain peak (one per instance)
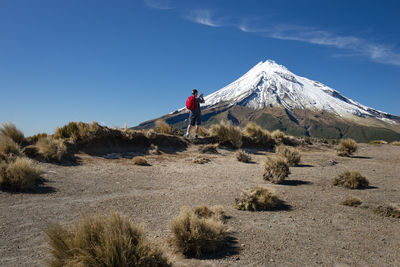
(271, 84)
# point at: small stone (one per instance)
(315, 253)
(271, 260)
(242, 245)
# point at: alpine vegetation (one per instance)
(99, 240)
(378, 142)
(395, 143)
(242, 156)
(51, 149)
(257, 199)
(216, 212)
(290, 154)
(352, 201)
(9, 146)
(209, 149)
(140, 161)
(227, 133)
(258, 135)
(387, 211)
(77, 131)
(201, 160)
(19, 176)
(346, 147)
(352, 180)
(275, 170)
(162, 127)
(9, 129)
(196, 234)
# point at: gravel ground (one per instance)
(317, 230)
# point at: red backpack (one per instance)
(190, 103)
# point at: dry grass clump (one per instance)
(257, 134)
(9, 129)
(208, 149)
(162, 127)
(242, 156)
(77, 130)
(290, 154)
(51, 149)
(352, 180)
(346, 147)
(259, 198)
(203, 132)
(34, 138)
(387, 211)
(278, 136)
(378, 142)
(140, 161)
(194, 235)
(276, 170)
(20, 175)
(227, 133)
(395, 143)
(154, 150)
(9, 146)
(352, 201)
(99, 240)
(201, 160)
(216, 212)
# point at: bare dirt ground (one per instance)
(317, 230)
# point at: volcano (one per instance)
(275, 98)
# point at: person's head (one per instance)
(194, 92)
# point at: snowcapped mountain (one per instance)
(271, 84)
(275, 98)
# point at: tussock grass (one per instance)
(395, 143)
(216, 212)
(257, 134)
(227, 133)
(34, 138)
(352, 180)
(278, 136)
(208, 149)
(201, 160)
(140, 161)
(276, 170)
(387, 211)
(20, 175)
(378, 142)
(154, 150)
(150, 133)
(76, 131)
(290, 154)
(9, 129)
(99, 240)
(203, 132)
(9, 146)
(242, 156)
(196, 236)
(352, 201)
(162, 127)
(347, 147)
(51, 149)
(257, 199)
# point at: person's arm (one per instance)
(201, 99)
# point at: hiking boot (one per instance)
(196, 136)
(186, 135)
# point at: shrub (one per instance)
(203, 132)
(276, 170)
(215, 212)
(201, 160)
(346, 147)
(140, 161)
(162, 127)
(208, 149)
(351, 179)
(378, 142)
(395, 143)
(259, 198)
(257, 134)
(352, 201)
(278, 136)
(77, 130)
(34, 138)
(242, 156)
(9, 146)
(227, 133)
(9, 129)
(387, 211)
(51, 149)
(99, 240)
(291, 155)
(196, 236)
(19, 175)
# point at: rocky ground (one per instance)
(316, 230)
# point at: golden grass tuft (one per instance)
(209, 149)
(346, 147)
(227, 133)
(34, 138)
(51, 149)
(290, 154)
(216, 212)
(276, 170)
(257, 199)
(197, 236)
(76, 131)
(257, 134)
(162, 127)
(395, 143)
(352, 201)
(9, 146)
(9, 129)
(100, 240)
(201, 160)
(378, 142)
(387, 211)
(352, 180)
(278, 136)
(203, 132)
(242, 156)
(20, 175)
(140, 161)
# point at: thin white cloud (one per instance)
(159, 4)
(203, 16)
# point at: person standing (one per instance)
(195, 113)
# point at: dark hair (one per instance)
(194, 92)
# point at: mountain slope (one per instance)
(275, 98)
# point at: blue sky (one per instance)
(119, 62)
